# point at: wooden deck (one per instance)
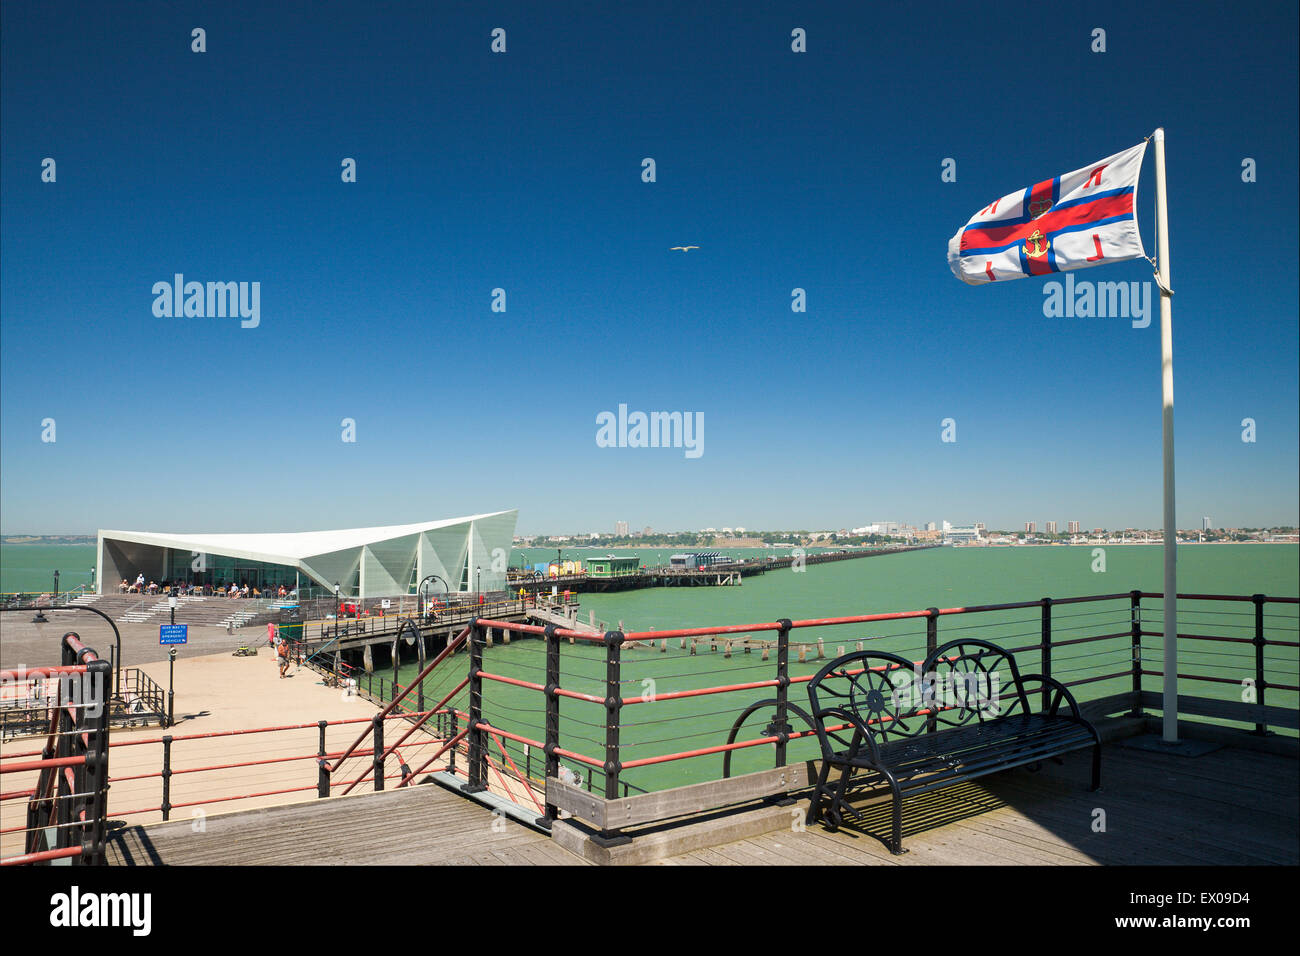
(1226, 807)
(413, 826)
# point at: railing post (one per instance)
(167, 777)
(477, 751)
(613, 710)
(92, 847)
(1261, 726)
(397, 660)
(1046, 650)
(550, 810)
(781, 725)
(377, 759)
(419, 647)
(453, 728)
(931, 645)
(613, 716)
(1135, 628)
(322, 775)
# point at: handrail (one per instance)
(67, 809)
(451, 648)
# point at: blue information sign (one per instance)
(172, 633)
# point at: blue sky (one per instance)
(522, 171)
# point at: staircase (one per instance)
(208, 611)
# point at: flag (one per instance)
(1073, 221)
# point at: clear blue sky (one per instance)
(522, 171)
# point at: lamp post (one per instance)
(424, 610)
(171, 668)
(56, 587)
(171, 685)
(480, 584)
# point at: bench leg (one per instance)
(896, 842)
(1096, 767)
(836, 811)
(815, 808)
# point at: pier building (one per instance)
(468, 554)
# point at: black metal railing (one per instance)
(67, 809)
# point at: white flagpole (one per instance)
(1170, 701)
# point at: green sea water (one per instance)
(31, 567)
(948, 577)
(944, 577)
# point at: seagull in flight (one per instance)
(682, 248)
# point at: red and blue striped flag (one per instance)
(1073, 221)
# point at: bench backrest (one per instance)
(880, 689)
(970, 680)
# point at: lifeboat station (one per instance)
(468, 554)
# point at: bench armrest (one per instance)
(860, 732)
(1061, 692)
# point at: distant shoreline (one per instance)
(78, 539)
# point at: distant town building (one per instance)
(980, 527)
(1051, 527)
(620, 528)
(1074, 527)
(931, 526)
(1031, 527)
(1205, 523)
(947, 526)
(647, 532)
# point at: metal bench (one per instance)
(962, 714)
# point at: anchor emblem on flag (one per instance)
(1037, 244)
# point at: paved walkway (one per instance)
(215, 694)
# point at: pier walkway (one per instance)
(720, 575)
(1231, 806)
(413, 826)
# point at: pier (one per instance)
(722, 575)
(583, 772)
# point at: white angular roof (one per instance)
(287, 547)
